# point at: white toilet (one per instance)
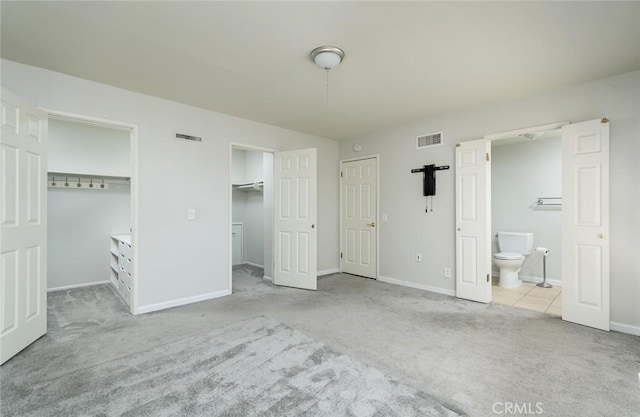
(513, 249)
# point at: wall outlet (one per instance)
(447, 272)
(385, 217)
(191, 214)
(418, 257)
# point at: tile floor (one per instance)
(529, 297)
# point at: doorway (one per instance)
(90, 189)
(251, 216)
(359, 223)
(289, 213)
(526, 200)
(584, 220)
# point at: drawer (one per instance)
(127, 279)
(122, 261)
(125, 249)
(127, 265)
(122, 276)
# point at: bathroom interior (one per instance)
(526, 223)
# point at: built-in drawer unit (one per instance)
(121, 265)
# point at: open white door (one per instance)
(294, 207)
(585, 223)
(23, 223)
(359, 212)
(473, 221)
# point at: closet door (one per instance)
(23, 222)
(294, 206)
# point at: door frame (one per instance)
(134, 192)
(340, 248)
(507, 134)
(246, 147)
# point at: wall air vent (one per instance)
(182, 136)
(432, 139)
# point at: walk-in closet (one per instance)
(251, 229)
(89, 206)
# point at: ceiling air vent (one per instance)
(182, 136)
(432, 139)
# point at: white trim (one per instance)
(329, 271)
(537, 280)
(182, 301)
(517, 132)
(70, 287)
(625, 328)
(267, 278)
(253, 264)
(134, 189)
(417, 286)
(360, 158)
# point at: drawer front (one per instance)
(125, 249)
(122, 277)
(122, 261)
(127, 265)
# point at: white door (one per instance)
(23, 223)
(473, 221)
(295, 228)
(236, 243)
(585, 223)
(359, 214)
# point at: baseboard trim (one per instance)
(267, 278)
(416, 285)
(182, 301)
(252, 264)
(328, 271)
(70, 287)
(624, 328)
(537, 280)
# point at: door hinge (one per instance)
(487, 277)
(488, 157)
(341, 175)
(340, 255)
(604, 120)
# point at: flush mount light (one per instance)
(327, 57)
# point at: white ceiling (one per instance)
(404, 61)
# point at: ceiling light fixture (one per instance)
(327, 58)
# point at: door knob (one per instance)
(372, 224)
(601, 235)
(313, 226)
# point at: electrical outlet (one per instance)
(447, 272)
(418, 257)
(191, 214)
(385, 217)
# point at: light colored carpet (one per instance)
(255, 368)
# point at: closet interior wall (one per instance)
(80, 221)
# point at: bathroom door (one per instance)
(473, 220)
(294, 228)
(585, 223)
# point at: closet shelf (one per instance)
(249, 186)
(83, 181)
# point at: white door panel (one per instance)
(585, 220)
(473, 221)
(359, 212)
(295, 231)
(237, 244)
(23, 175)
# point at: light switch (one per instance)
(191, 214)
(385, 217)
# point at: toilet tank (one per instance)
(515, 242)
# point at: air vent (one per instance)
(432, 139)
(182, 136)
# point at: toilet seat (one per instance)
(509, 256)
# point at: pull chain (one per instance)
(327, 71)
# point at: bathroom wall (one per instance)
(521, 173)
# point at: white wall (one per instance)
(180, 258)
(267, 164)
(88, 149)
(520, 174)
(410, 230)
(78, 229)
